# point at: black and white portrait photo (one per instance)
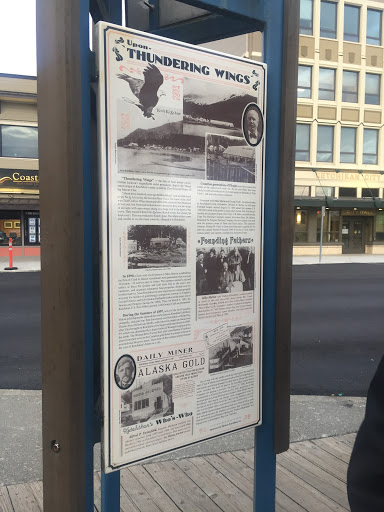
(229, 159)
(253, 125)
(225, 270)
(149, 400)
(233, 352)
(125, 372)
(152, 246)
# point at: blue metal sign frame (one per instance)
(229, 18)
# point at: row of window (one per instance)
(327, 85)
(333, 229)
(18, 141)
(344, 192)
(328, 21)
(325, 139)
(141, 404)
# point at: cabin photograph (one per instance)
(149, 400)
(152, 246)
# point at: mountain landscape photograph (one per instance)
(220, 113)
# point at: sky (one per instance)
(18, 37)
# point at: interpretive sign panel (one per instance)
(181, 145)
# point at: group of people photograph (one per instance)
(227, 270)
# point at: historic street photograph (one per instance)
(229, 159)
(234, 352)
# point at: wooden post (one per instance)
(285, 224)
(66, 285)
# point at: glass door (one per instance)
(356, 240)
(353, 235)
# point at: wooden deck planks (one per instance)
(322, 458)
(23, 499)
(311, 477)
(227, 497)
(226, 487)
(157, 494)
(181, 489)
(315, 477)
(5, 500)
(334, 447)
(231, 474)
(286, 503)
(137, 493)
(301, 492)
(37, 491)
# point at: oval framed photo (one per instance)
(252, 124)
(125, 371)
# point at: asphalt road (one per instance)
(337, 328)
(20, 330)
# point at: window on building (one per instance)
(351, 23)
(18, 141)
(380, 226)
(328, 19)
(302, 142)
(372, 89)
(306, 17)
(327, 84)
(301, 191)
(32, 228)
(347, 192)
(350, 86)
(373, 27)
(331, 226)
(304, 82)
(369, 193)
(141, 404)
(325, 191)
(10, 227)
(325, 144)
(348, 145)
(301, 225)
(370, 146)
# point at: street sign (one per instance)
(181, 147)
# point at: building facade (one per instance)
(339, 135)
(19, 167)
(339, 131)
(148, 400)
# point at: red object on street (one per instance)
(10, 251)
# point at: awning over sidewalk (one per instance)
(330, 202)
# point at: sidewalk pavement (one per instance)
(312, 417)
(23, 264)
(342, 258)
(32, 263)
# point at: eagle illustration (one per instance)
(146, 90)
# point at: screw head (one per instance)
(55, 446)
